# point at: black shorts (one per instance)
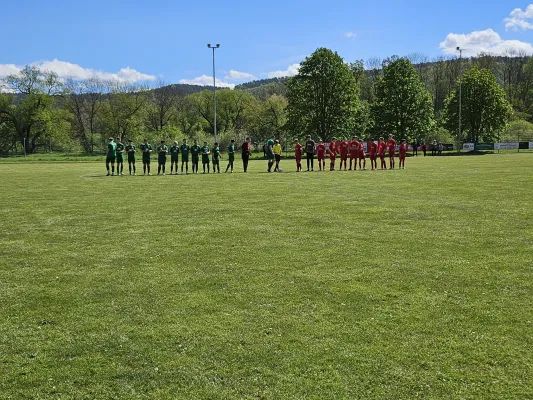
(174, 159)
(185, 158)
(195, 159)
(162, 160)
(146, 161)
(131, 160)
(278, 157)
(120, 158)
(204, 161)
(110, 159)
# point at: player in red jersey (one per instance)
(403, 152)
(321, 155)
(332, 154)
(343, 150)
(362, 156)
(298, 155)
(354, 153)
(391, 147)
(372, 151)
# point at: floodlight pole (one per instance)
(460, 97)
(214, 91)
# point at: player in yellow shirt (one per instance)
(277, 153)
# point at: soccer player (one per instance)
(343, 150)
(215, 154)
(321, 155)
(146, 149)
(310, 152)
(391, 145)
(195, 153)
(174, 151)
(382, 146)
(372, 151)
(204, 151)
(362, 156)
(276, 149)
(120, 157)
(269, 152)
(111, 156)
(332, 153)
(231, 155)
(403, 152)
(131, 149)
(246, 150)
(184, 148)
(162, 151)
(298, 155)
(354, 152)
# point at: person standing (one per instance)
(276, 149)
(246, 150)
(195, 153)
(372, 151)
(424, 148)
(434, 148)
(184, 148)
(382, 147)
(111, 156)
(120, 157)
(362, 156)
(231, 155)
(321, 155)
(415, 147)
(204, 151)
(332, 154)
(162, 151)
(391, 145)
(343, 150)
(146, 149)
(403, 153)
(354, 153)
(298, 155)
(269, 152)
(130, 150)
(215, 154)
(174, 151)
(310, 152)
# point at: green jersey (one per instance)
(112, 149)
(120, 148)
(162, 150)
(231, 148)
(145, 148)
(205, 152)
(195, 150)
(185, 150)
(268, 148)
(216, 153)
(174, 150)
(130, 149)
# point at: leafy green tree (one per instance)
(516, 131)
(322, 97)
(403, 106)
(485, 111)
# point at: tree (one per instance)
(162, 106)
(403, 106)
(485, 111)
(322, 97)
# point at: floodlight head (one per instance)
(218, 45)
(209, 45)
(458, 48)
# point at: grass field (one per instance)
(402, 284)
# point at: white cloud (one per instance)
(205, 80)
(518, 19)
(233, 75)
(350, 35)
(67, 70)
(290, 71)
(487, 41)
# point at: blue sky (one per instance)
(146, 41)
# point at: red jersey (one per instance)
(403, 149)
(245, 148)
(361, 149)
(373, 148)
(391, 145)
(321, 150)
(332, 149)
(381, 148)
(298, 151)
(354, 148)
(343, 148)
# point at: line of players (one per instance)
(354, 149)
(116, 151)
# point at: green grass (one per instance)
(402, 284)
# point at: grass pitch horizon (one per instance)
(368, 284)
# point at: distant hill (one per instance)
(260, 82)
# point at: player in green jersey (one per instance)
(174, 151)
(231, 155)
(146, 149)
(162, 151)
(269, 151)
(216, 158)
(185, 148)
(195, 151)
(130, 150)
(111, 156)
(204, 151)
(120, 157)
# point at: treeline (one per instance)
(40, 112)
